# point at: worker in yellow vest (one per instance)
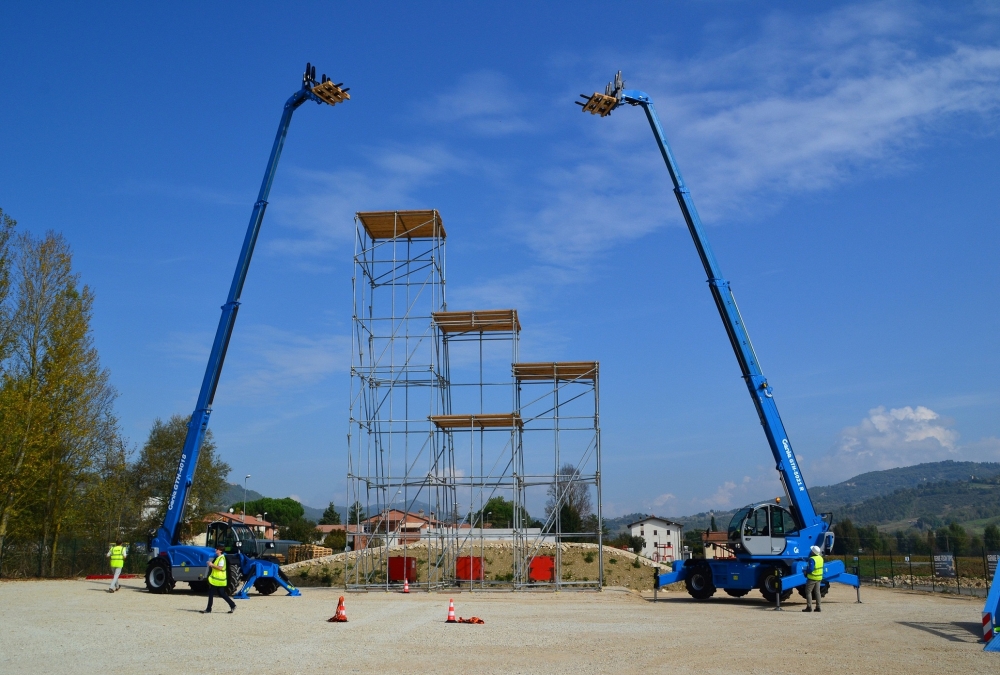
(117, 554)
(218, 580)
(814, 578)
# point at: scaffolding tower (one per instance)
(444, 418)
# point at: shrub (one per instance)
(635, 562)
(612, 561)
(588, 556)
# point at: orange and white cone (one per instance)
(406, 584)
(451, 612)
(341, 615)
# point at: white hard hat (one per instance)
(816, 550)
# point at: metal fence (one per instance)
(941, 572)
(74, 558)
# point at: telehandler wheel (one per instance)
(266, 586)
(234, 577)
(769, 585)
(699, 582)
(198, 586)
(158, 576)
(824, 588)
(737, 592)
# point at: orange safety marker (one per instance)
(473, 619)
(341, 615)
(451, 612)
(406, 585)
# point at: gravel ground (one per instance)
(75, 627)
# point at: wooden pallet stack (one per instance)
(307, 552)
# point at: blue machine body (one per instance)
(990, 609)
(764, 560)
(189, 563)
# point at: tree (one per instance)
(712, 528)
(282, 511)
(573, 498)
(991, 538)
(337, 540)
(56, 417)
(356, 514)
(300, 529)
(331, 516)
(156, 468)
(846, 539)
(499, 512)
(953, 539)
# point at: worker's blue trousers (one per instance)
(221, 590)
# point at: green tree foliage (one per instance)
(156, 469)
(500, 513)
(331, 516)
(626, 540)
(282, 511)
(712, 527)
(356, 513)
(845, 537)
(58, 433)
(692, 539)
(991, 538)
(300, 529)
(337, 540)
(953, 539)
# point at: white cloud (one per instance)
(268, 362)
(887, 439)
(484, 102)
(321, 205)
(800, 108)
(663, 499)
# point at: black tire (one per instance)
(199, 586)
(824, 588)
(769, 585)
(737, 592)
(699, 582)
(234, 579)
(266, 586)
(158, 576)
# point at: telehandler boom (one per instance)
(771, 543)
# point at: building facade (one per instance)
(663, 538)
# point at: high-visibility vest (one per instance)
(118, 556)
(817, 572)
(218, 577)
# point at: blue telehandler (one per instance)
(248, 565)
(771, 541)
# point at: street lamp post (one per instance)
(244, 516)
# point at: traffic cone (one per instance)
(451, 612)
(341, 615)
(406, 584)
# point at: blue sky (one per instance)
(843, 156)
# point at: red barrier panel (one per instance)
(469, 568)
(400, 568)
(543, 568)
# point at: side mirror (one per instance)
(269, 544)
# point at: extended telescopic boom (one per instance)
(321, 91)
(788, 468)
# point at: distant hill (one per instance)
(931, 505)
(234, 495)
(616, 526)
(962, 492)
(881, 483)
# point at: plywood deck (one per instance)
(565, 370)
(478, 321)
(481, 421)
(402, 224)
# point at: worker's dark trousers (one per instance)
(812, 591)
(221, 590)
